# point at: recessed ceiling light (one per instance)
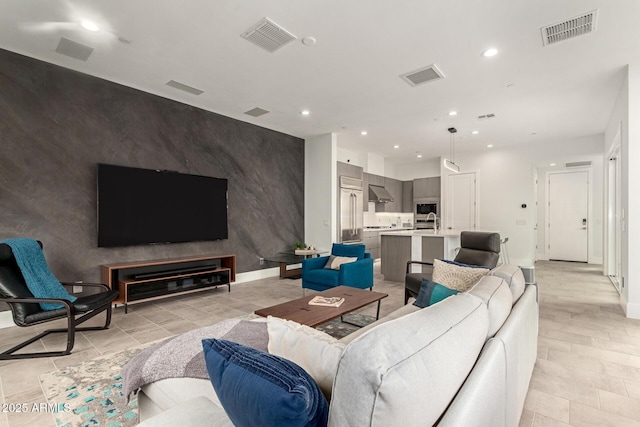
(490, 52)
(490, 146)
(475, 132)
(308, 41)
(364, 132)
(419, 155)
(305, 112)
(88, 25)
(396, 146)
(453, 113)
(552, 164)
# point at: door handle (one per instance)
(353, 214)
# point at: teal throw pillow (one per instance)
(258, 388)
(431, 293)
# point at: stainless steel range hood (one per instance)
(379, 194)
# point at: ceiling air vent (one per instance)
(486, 116)
(574, 27)
(268, 35)
(423, 75)
(74, 49)
(577, 164)
(256, 112)
(181, 86)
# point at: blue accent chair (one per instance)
(357, 274)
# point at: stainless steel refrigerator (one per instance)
(351, 210)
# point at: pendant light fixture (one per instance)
(451, 164)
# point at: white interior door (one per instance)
(568, 216)
(462, 201)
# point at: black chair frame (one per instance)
(407, 294)
(70, 330)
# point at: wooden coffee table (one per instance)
(300, 311)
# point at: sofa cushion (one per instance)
(339, 249)
(189, 413)
(495, 293)
(431, 293)
(314, 351)
(324, 276)
(456, 277)
(512, 274)
(377, 382)
(402, 311)
(258, 388)
(334, 262)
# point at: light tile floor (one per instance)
(587, 373)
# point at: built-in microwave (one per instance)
(427, 208)
(423, 207)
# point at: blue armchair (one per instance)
(357, 274)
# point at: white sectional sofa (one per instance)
(465, 361)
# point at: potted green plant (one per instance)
(299, 246)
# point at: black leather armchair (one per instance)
(476, 248)
(27, 312)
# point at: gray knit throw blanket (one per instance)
(182, 355)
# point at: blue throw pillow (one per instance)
(459, 264)
(350, 251)
(258, 388)
(431, 293)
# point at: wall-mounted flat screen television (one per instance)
(143, 206)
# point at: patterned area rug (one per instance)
(338, 329)
(90, 394)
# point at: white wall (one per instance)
(425, 168)
(505, 180)
(353, 157)
(320, 194)
(625, 117)
(375, 165)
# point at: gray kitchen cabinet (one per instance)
(376, 180)
(420, 188)
(365, 187)
(371, 241)
(407, 196)
(433, 187)
(426, 187)
(394, 187)
(347, 169)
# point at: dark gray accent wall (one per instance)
(57, 124)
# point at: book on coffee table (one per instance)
(326, 301)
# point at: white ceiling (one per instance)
(349, 79)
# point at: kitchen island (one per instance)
(415, 245)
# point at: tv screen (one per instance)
(142, 206)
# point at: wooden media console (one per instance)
(141, 281)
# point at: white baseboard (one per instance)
(257, 275)
(595, 260)
(6, 319)
(632, 310)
